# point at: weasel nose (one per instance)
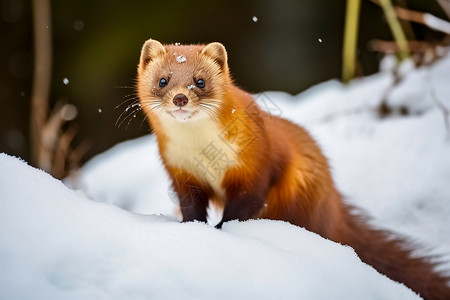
(180, 100)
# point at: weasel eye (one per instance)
(163, 82)
(200, 83)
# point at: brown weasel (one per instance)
(218, 145)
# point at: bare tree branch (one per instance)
(52, 133)
(445, 4)
(62, 151)
(423, 18)
(426, 19)
(42, 74)
(392, 47)
(50, 144)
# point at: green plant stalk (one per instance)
(396, 29)
(350, 39)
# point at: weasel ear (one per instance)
(151, 50)
(217, 52)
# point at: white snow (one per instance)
(436, 23)
(57, 243)
(181, 58)
(65, 81)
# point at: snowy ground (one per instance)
(56, 243)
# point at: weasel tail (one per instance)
(218, 146)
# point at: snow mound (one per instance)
(57, 244)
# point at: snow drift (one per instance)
(57, 244)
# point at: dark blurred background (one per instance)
(289, 46)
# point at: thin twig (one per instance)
(445, 5)
(426, 19)
(392, 47)
(423, 18)
(52, 133)
(62, 151)
(74, 162)
(42, 75)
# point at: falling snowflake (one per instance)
(78, 25)
(320, 40)
(181, 58)
(255, 19)
(190, 87)
(65, 81)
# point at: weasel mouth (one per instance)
(179, 111)
(181, 114)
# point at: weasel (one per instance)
(218, 145)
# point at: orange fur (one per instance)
(222, 147)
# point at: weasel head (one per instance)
(185, 83)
